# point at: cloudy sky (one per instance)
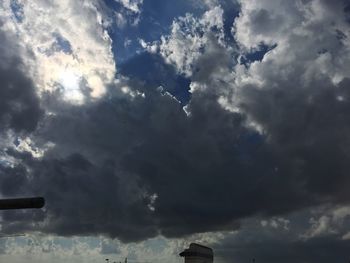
(150, 124)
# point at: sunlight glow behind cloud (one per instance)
(63, 42)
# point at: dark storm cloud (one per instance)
(207, 170)
(310, 129)
(93, 194)
(81, 199)
(137, 150)
(130, 150)
(19, 104)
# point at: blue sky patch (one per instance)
(61, 44)
(17, 10)
(154, 21)
(152, 69)
(257, 55)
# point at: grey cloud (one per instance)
(19, 104)
(128, 151)
(87, 191)
(317, 250)
(264, 22)
(302, 110)
(19, 108)
(277, 243)
(309, 127)
(81, 199)
(207, 169)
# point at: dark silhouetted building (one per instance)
(198, 254)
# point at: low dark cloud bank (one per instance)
(320, 249)
(207, 169)
(280, 240)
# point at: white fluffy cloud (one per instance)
(189, 39)
(309, 35)
(326, 221)
(312, 41)
(64, 45)
(132, 5)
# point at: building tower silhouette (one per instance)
(197, 253)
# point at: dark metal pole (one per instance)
(22, 203)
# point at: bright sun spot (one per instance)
(70, 82)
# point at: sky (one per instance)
(151, 124)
